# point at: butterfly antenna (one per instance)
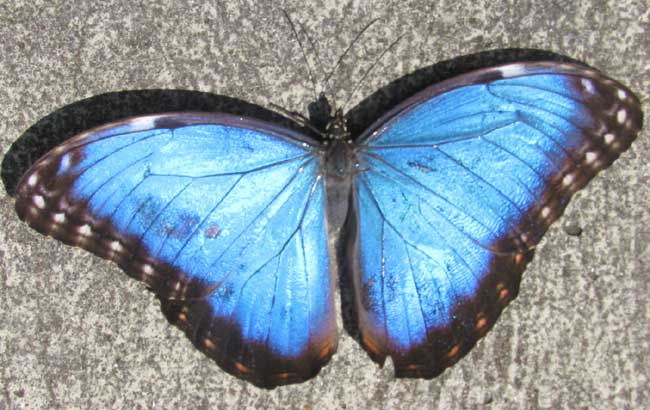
(347, 50)
(311, 43)
(302, 50)
(369, 70)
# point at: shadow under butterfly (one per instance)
(240, 224)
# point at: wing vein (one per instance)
(112, 177)
(481, 179)
(282, 248)
(437, 195)
(248, 171)
(366, 147)
(295, 174)
(415, 246)
(85, 141)
(417, 292)
(409, 243)
(551, 113)
(304, 266)
(101, 159)
(162, 210)
(208, 214)
(531, 87)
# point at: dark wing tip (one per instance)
(617, 120)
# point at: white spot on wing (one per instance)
(546, 211)
(567, 180)
(143, 123)
(116, 246)
(515, 70)
(588, 85)
(65, 162)
(32, 180)
(621, 94)
(84, 230)
(39, 201)
(147, 269)
(59, 217)
(621, 115)
(590, 157)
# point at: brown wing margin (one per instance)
(253, 362)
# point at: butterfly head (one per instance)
(328, 120)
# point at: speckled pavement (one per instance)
(77, 333)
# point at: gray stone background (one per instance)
(75, 332)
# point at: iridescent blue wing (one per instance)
(221, 217)
(456, 187)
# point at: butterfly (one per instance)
(241, 227)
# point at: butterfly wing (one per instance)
(457, 185)
(221, 217)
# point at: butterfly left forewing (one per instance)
(456, 187)
(221, 217)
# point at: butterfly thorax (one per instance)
(339, 160)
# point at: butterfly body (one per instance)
(241, 227)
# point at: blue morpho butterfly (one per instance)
(241, 227)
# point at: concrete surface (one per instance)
(76, 332)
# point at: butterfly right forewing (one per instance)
(457, 186)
